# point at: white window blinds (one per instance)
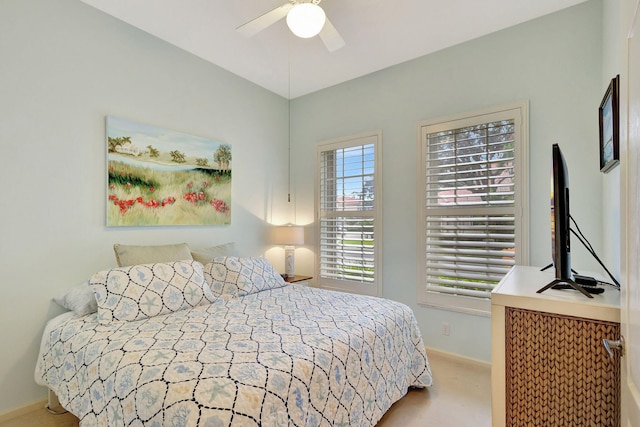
(471, 216)
(347, 214)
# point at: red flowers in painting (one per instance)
(191, 197)
(220, 206)
(196, 198)
(124, 205)
(168, 201)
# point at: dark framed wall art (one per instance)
(609, 113)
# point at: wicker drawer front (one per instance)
(558, 372)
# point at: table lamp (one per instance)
(289, 236)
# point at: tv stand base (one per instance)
(569, 282)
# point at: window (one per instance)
(473, 226)
(348, 214)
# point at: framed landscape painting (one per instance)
(159, 177)
(608, 114)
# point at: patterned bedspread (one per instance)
(291, 356)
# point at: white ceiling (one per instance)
(378, 34)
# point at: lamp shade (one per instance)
(289, 235)
(305, 20)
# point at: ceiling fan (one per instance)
(305, 19)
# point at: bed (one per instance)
(242, 348)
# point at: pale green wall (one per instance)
(613, 52)
(554, 62)
(64, 66)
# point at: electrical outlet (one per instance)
(446, 329)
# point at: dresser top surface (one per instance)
(519, 289)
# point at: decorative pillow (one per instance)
(133, 255)
(146, 290)
(234, 276)
(206, 255)
(80, 299)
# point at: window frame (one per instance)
(373, 288)
(519, 112)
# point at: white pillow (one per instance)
(80, 299)
(234, 276)
(206, 255)
(134, 255)
(147, 290)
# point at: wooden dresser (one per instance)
(549, 364)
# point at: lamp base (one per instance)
(289, 260)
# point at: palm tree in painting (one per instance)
(222, 157)
(177, 156)
(153, 152)
(115, 142)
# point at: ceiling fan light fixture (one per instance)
(306, 20)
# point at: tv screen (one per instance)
(560, 217)
(561, 227)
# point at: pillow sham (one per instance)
(133, 255)
(206, 255)
(234, 276)
(80, 299)
(147, 290)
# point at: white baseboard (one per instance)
(438, 352)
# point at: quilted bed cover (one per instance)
(291, 356)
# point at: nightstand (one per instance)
(299, 280)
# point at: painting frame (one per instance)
(609, 123)
(162, 177)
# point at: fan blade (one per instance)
(330, 37)
(263, 21)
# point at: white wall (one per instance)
(554, 62)
(64, 66)
(615, 24)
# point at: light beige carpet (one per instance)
(460, 396)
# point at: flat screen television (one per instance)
(560, 217)
(561, 225)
